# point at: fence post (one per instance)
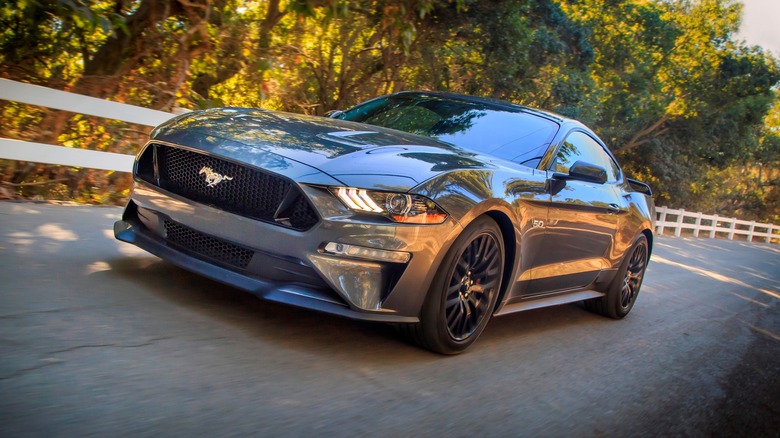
(751, 230)
(731, 228)
(698, 224)
(662, 220)
(680, 217)
(714, 226)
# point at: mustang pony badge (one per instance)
(213, 178)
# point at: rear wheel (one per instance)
(464, 291)
(624, 289)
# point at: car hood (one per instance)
(354, 153)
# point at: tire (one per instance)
(624, 289)
(463, 294)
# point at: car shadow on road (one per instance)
(321, 333)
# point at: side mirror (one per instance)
(639, 186)
(584, 171)
(332, 114)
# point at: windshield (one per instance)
(514, 135)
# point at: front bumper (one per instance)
(290, 294)
(289, 266)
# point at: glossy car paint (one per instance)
(564, 239)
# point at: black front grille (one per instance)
(230, 186)
(204, 245)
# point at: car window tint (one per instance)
(613, 170)
(580, 146)
(414, 119)
(519, 137)
(505, 132)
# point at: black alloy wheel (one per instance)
(624, 289)
(633, 277)
(464, 292)
(474, 279)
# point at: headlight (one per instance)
(400, 207)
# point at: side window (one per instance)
(580, 146)
(613, 170)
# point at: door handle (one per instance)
(613, 208)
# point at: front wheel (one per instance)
(464, 292)
(624, 289)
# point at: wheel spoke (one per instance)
(488, 258)
(456, 277)
(469, 254)
(479, 250)
(493, 271)
(461, 326)
(637, 262)
(473, 315)
(489, 285)
(462, 267)
(488, 268)
(491, 252)
(454, 314)
(625, 295)
(452, 301)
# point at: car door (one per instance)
(582, 218)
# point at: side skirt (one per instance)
(547, 301)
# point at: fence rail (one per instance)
(711, 225)
(705, 225)
(75, 103)
(79, 103)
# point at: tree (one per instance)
(664, 83)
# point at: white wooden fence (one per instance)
(677, 220)
(75, 103)
(705, 225)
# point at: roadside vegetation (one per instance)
(685, 106)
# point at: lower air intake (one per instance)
(204, 245)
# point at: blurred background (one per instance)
(673, 87)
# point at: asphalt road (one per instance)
(98, 338)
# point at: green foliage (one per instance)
(685, 107)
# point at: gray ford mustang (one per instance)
(429, 211)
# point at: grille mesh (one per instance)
(244, 190)
(208, 246)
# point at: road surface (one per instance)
(98, 338)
